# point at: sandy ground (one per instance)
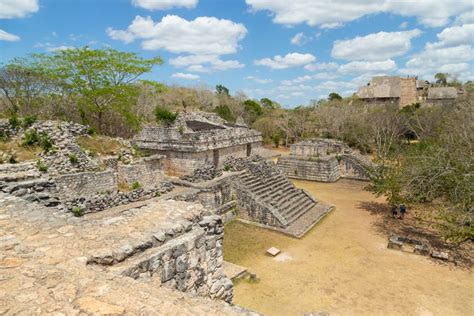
(342, 266)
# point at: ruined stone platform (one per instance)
(46, 259)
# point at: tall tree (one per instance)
(102, 80)
(222, 90)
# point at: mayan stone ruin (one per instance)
(324, 160)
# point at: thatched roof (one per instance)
(381, 87)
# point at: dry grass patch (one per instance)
(99, 144)
(21, 153)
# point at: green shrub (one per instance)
(41, 166)
(91, 131)
(12, 158)
(338, 158)
(30, 138)
(224, 112)
(164, 116)
(77, 211)
(157, 194)
(28, 121)
(136, 185)
(46, 142)
(73, 158)
(14, 121)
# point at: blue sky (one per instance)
(289, 51)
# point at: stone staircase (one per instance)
(291, 210)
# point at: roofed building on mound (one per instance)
(394, 90)
(324, 160)
(196, 140)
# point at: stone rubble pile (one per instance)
(238, 163)
(100, 202)
(36, 190)
(66, 156)
(205, 173)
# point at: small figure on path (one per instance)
(394, 211)
(403, 210)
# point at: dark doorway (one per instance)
(249, 149)
(216, 157)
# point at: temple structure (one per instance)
(196, 140)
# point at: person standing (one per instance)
(403, 210)
(394, 211)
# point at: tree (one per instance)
(333, 96)
(441, 78)
(267, 103)
(23, 83)
(222, 90)
(252, 111)
(102, 80)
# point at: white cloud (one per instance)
(5, 36)
(330, 86)
(360, 67)
(204, 63)
(204, 35)
(452, 60)
(289, 60)
(454, 36)
(376, 46)
(403, 25)
(56, 48)
(334, 13)
(164, 4)
(259, 80)
(185, 76)
(321, 66)
(10, 9)
(300, 39)
(465, 18)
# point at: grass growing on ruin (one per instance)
(99, 144)
(21, 153)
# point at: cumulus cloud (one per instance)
(204, 63)
(5, 36)
(376, 46)
(10, 9)
(300, 39)
(287, 61)
(185, 76)
(360, 67)
(259, 80)
(204, 35)
(334, 13)
(465, 18)
(454, 60)
(57, 48)
(321, 66)
(454, 36)
(164, 4)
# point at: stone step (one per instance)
(270, 187)
(298, 202)
(283, 204)
(299, 211)
(288, 195)
(280, 191)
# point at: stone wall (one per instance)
(85, 184)
(353, 168)
(186, 255)
(318, 148)
(184, 163)
(147, 171)
(324, 169)
(408, 93)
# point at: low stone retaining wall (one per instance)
(325, 169)
(82, 184)
(185, 255)
(147, 171)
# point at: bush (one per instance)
(136, 185)
(73, 158)
(41, 166)
(14, 121)
(77, 211)
(30, 138)
(46, 142)
(12, 158)
(224, 112)
(28, 121)
(91, 131)
(165, 116)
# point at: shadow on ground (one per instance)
(462, 255)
